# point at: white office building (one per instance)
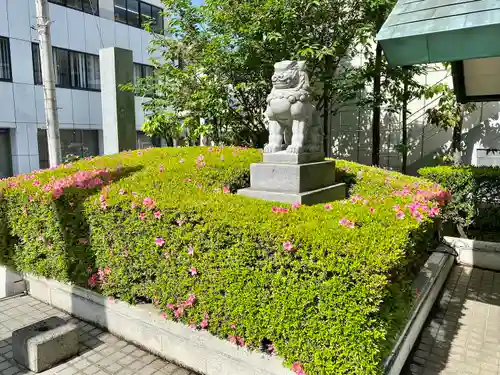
(79, 29)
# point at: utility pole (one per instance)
(48, 79)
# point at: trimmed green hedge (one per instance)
(326, 287)
(475, 192)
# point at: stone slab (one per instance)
(11, 283)
(44, 344)
(475, 253)
(326, 194)
(288, 178)
(284, 157)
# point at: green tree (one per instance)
(217, 60)
(449, 114)
(392, 87)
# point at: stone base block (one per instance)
(284, 157)
(289, 178)
(44, 344)
(327, 194)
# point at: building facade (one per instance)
(79, 29)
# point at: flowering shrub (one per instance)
(325, 287)
(475, 191)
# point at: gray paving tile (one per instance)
(462, 334)
(101, 353)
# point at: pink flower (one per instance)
(400, 215)
(162, 169)
(434, 211)
(47, 188)
(192, 325)
(190, 301)
(170, 306)
(133, 205)
(193, 271)
(121, 192)
(92, 281)
(181, 161)
(187, 180)
(275, 210)
(226, 190)
(159, 241)
(36, 183)
(179, 312)
(164, 316)
(372, 210)
(288, 246)
(233, 326)
(298, 369)
(142, 216)
(157, 214)
(204, 324)
(296, 205)
(418, 216)
(346, 223)
(365, 202)
(191, 251)
(30, 198)
(396, 207)
(148, 202)
(328, 206)
(271, 349)
(111, 300)
(199, 186)
(179, 222)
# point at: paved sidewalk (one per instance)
(462, 335)
(100, 352)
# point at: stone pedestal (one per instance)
(286, 178)
(42, 345)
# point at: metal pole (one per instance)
(48, 80)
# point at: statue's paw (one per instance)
(293, 149)
(268, 149)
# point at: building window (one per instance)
(137, 13)
(76, 70)
(87, 6)
(5, 154)
(142, 71)
(5, 65)
(37, 64)
(144, 141)
(81, 143)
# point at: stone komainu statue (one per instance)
(293, 120)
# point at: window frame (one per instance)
(143, 68)
(95, 3)
(70, 54)
(9, 60)
(139, 2)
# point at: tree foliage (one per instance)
(449, 114)
(215, 61)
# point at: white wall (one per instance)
(351, 133)
(21, 102)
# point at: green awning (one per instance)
(429, 31)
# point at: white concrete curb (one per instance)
(429, 283)
(476, 253)
(199, 350)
